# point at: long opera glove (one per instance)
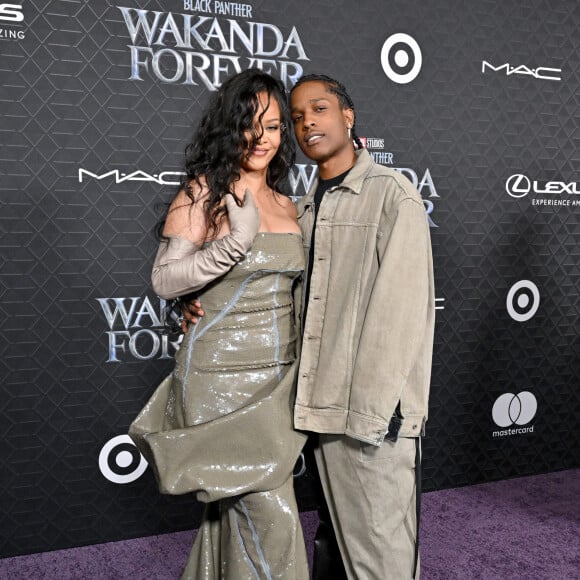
(182, 267)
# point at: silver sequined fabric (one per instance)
(221, 425)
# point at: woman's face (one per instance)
(320, 123)
(269, 130)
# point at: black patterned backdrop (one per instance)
(476, 102)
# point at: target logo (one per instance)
(523, 300)
(401, 58)
(120, 461)
(510, 409)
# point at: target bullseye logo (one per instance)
(510, 409)
(523, 300)
(120, 461)
(401, 58)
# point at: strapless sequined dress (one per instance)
(221, 424)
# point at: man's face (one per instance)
(320, 123)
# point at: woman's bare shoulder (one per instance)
(288, 205)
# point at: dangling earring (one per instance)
(348, 131)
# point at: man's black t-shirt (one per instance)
(323, 186)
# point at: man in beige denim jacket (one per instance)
(367, 336)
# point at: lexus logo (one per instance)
(11, 13)
(520, 185)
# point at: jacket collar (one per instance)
(353, 181)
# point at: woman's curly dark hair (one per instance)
(220, 142)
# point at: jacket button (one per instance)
(414, 426)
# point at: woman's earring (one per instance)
(348, 130)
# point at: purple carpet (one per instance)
(526, 528)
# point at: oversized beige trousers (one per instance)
(371, 496)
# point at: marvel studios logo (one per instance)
(372, 142)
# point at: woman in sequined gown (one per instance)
(220, 425)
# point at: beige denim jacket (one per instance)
(368, 335)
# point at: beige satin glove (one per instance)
(182, 267)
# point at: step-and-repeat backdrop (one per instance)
(477, 103)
